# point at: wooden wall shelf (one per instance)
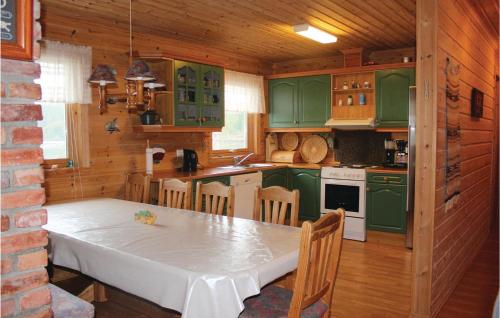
(389, 129)
(173, 129)
(321, 129)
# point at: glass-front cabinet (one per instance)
(198, 95)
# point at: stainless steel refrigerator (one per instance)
(410, 200)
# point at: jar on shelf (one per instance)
(349, 100)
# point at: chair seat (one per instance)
(274, 302)
(66, 305)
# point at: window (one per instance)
(55, 132)
(65, 70)
(234, 135)
(244, 95)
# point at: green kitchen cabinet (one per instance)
(386, 204)
(283, 102)
(392, 96)
(308, 182)
(299, 101)
(198, 95)
(274, 177)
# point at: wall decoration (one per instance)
(476, 103)
(16, 29)
(453, 169)
(112, 126)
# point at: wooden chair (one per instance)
(175, 193)
(276, 200)
(137, 188)
(215, 194)
(319, 255)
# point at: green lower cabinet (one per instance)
(386, 207)
(308, 182)
(275, 177)
(223, 179)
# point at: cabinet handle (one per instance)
(368, 189)
(386, 178)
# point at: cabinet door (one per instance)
(277, 177)
(186, 94)
(307, 181)
(386, 207)
(212, 96)
(314, 100)
(283, 102)
(393, 96)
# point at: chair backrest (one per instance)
(215, 194)
(175, 193)
(137, 188)
(276, 200)
(319, 255)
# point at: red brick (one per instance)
(23, 156)
(23, 241)
(8, 307)
(20, 112)
(45, 313)
(5, 179)
(32, 218)
(5, 265)
(24, 282)
(5, 223)
(28, 176)
(4, 135)
(21, 68)
(36, 298)
(32, 260)
(25, 90)
(23, 198)
(27, 135)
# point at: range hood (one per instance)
(351, 124)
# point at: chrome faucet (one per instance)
(238, 162)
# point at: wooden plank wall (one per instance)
(460, 232)
(113, 156)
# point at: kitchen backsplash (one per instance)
(363, 147)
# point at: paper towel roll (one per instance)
(149, 161)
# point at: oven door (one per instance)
(347, 194)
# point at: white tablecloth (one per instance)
(197, 264)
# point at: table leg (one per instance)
(100, 294)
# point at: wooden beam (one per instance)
(425, 171)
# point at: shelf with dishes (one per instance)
(353, 96)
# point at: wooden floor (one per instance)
(476, 293)
(374, 281)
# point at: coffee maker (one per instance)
(190, 160)
(390, 150)
(401, 156)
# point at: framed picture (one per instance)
(476, 103)
(16, 27)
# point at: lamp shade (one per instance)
(139, 71)
(102, 74)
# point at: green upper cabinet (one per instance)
(299, 101)
(283, 102)
(392, 95)
(386, 205)
(308, 182)
(314, 101)
(198, 95)
(274, 177)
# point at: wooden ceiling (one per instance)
(257, 28)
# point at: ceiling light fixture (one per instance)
(314, 33)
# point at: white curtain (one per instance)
(65, 70)
(243, 92)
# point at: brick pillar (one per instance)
(24, 290)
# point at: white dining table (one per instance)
(198, 264)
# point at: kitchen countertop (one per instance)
(387, 170)
(218, 171)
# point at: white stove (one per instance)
(344, 187)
